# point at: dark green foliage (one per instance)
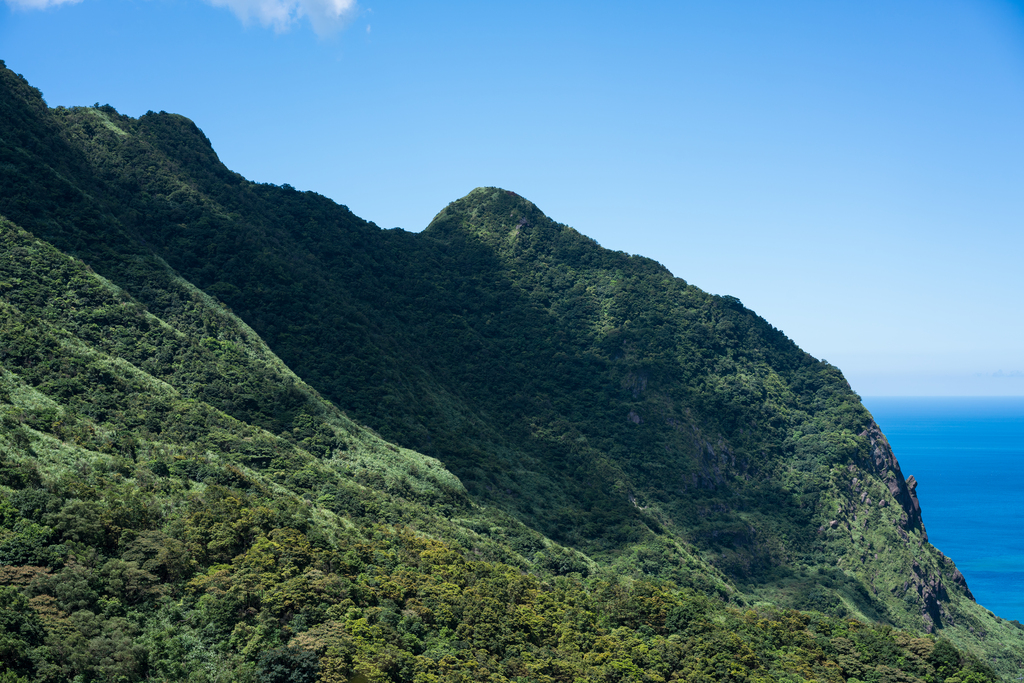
(945, 659)
(287, 665)
(20, 630)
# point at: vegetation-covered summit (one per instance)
(582, 467)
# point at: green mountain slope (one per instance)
(651, 430)
(147, 535)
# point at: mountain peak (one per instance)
(489, 210)
(516, 229)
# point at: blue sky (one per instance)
(852, 171)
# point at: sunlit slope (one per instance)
(147, 534)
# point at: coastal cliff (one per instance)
(883, 463)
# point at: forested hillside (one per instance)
(577, 466)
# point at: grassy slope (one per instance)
(551, 347)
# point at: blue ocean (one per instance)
(968, 457)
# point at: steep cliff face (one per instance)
(884, 464)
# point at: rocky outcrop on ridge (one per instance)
(883, 462)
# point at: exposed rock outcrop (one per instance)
(960, 581)
(932, 594)
(883, 462)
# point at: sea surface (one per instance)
(967, 455)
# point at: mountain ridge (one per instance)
(583, 393)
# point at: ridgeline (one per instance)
(247, 435)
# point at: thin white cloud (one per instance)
(325, 16)
(39, 4)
